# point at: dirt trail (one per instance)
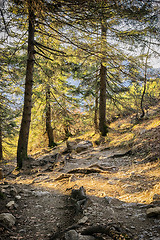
(120, 194)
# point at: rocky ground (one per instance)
(120, 197)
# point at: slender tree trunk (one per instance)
(96, 112)
(49, 128)
(145, 82)
(1, 117)
(26, 118)
(1, 149)
(142, 98)
(102, 98)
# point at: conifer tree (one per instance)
(26, 119)
(49, 128)
(78, 17)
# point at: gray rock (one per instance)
(82, 146)
(10, 204)
(71, 235)
(156, 197)
(7, 219)
(13, 192)
(18, 197)
(83, 220)
(71, 145)
(85, 237)
(153, 212)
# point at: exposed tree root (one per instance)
(96, 165)
(85, 170)
(129, 152)
(112, 230)
(95, 168)
(63, 176)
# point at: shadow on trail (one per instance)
(46, 206)
(48, 214)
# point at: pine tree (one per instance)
(71, 18)
(49, 128)
(26, 119)
(9, 90)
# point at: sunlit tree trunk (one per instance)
(26, 118)
(145, 81)
(102, 97)
(49, 128)
(96, 112)
(1, 149)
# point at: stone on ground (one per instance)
(7, 219)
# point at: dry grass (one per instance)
(133, 183)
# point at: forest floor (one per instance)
(121, 178)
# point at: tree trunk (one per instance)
(96, 112)
(1, 149)
(145, 82)
(102, 99)
(26, 118)
(49, 129)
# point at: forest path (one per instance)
(119, 192)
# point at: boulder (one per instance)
(7, 219)
(73, 235)
(153, 212)
(71, 145)
(11, 205)
(82, 146)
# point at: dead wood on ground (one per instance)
(116, 155)
(62, 176)
(85, 170)
(96, 165)
(112, 230)
(95, 168)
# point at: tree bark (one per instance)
(145, 82)
(49, 128)
(96, 112)
(1, 148)
(26, 118)
(102, 97)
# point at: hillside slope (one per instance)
(121, 178)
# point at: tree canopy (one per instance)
(104, 45)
